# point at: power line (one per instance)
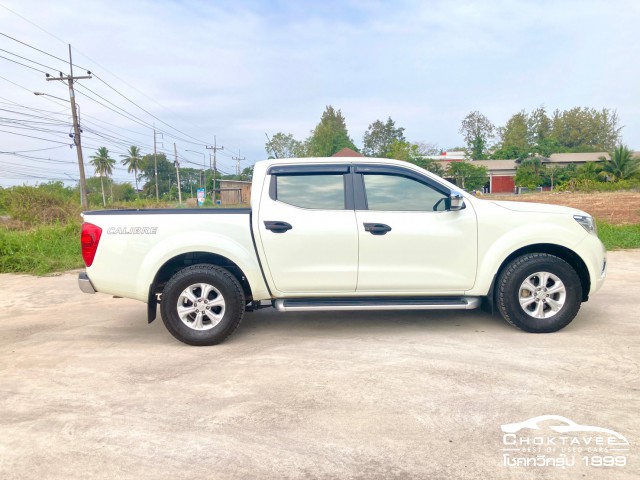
(122, 112)
(32, 157)
(35, 25)
(40, 110)
(26, 89)
(126, 114)
(146, 111)
(33, 129)
(27, 59)
(34, 48)
(128, 139)
(32, 68)
(33, 150)
(130, 116)
(30, 136)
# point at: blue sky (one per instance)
(239, 69)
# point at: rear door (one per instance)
(409, 240)
(307, 229)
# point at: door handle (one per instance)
(376, 228)
(277, 227)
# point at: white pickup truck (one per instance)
(345, 234)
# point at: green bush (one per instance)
(587, 185)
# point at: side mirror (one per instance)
(456, 201)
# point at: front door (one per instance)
(409, 241)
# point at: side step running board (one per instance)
(377, 303)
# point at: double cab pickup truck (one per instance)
(345, 234)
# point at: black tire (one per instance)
(540, 311)
(217, 321)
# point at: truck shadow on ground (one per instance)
(359, 323)
(269, 323)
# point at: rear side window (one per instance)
(318, 191)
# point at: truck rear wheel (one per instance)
(202, 305)
(538, 293)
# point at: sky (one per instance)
(231, 71)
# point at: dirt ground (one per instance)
(89, 390)
(617, 208)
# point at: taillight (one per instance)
(89, 239)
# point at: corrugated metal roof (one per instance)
(577, 157)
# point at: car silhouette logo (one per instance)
(564, 425)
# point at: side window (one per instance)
(396, 193)
(319, 191)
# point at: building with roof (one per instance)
(234, 192)
(502, 173)
(347, 152)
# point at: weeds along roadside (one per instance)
(40, 228)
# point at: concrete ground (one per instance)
(89, 390)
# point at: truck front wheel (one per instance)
(202, 305)
(538, 293)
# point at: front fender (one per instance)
(494, 251)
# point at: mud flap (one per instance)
(152, 304)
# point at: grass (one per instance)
(619, 236)
(40, 250)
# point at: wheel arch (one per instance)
(178, 262)
(566, 254)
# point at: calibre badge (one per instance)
(132, 230)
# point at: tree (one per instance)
(585, 129)
(166, 174)
(103, 165)
(428, 148)
(589, 171)
(247, 174)
(477, 132)
(379, 137)
(415, 153)
(330, 135)
(284, 146)
(190, 179)
(539, 125)
(515, 138)
(430, 165)
(622, 165)
(552, 172)
(529, 173)
(467, 175)
(132, 161)
(123, 192)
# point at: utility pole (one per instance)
(215, 148)
(155, 163)
(175, 152)
(238, 159)
(76, 127)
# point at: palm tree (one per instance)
(103, 165)
(133, 160)
(622, 164)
